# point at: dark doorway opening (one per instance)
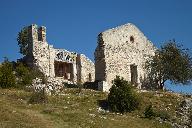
(90, 78)
(134, 74)
(63, 69)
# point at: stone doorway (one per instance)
(63, 69)
(134, 74)
(90, 77)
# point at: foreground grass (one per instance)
(75, 110)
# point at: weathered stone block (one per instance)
(103, 86)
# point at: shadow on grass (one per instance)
(103, 104)
(90, 85)
(87, 85)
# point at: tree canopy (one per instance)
(7, 77)
(23, 41)
(171, 62)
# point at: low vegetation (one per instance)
(38, 97)
(7, 76)
(79, 107)
(18, 75)
(122, 97)
(150, 113)
(71, 109)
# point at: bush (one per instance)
(164, 115)
(18, 75)
(22, 73)
(38, 97)
(25, 75)
(122, 97)
(7, 77)
(149, 112)
(21, 69)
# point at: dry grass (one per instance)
(76, 110)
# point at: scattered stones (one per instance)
(184, 114)
(100, 110)
(52, 86)
(92, 115)
(103, 117)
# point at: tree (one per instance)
(7, 77)
(122, 97)
(171, 62)
(23, 75)
(26, 75)
(23, 41)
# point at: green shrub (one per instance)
(122, 97)
(38, 97)
(164, 115)
(18, 75)
(21, 69)
(7, 76)
(25, 75)
(149, 112)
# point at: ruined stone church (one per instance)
(60, 64)
(120, 51)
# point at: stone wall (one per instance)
(40, 49)
(62, 55)
(86, 69)
(118, 50)
(44, 56)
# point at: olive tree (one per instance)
(171, 62)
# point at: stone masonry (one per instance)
(60, 64)
(121, 51)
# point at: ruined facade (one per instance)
(57, 63)
(121, 51)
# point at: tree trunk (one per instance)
(162, 84)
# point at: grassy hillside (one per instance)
(71, 109)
